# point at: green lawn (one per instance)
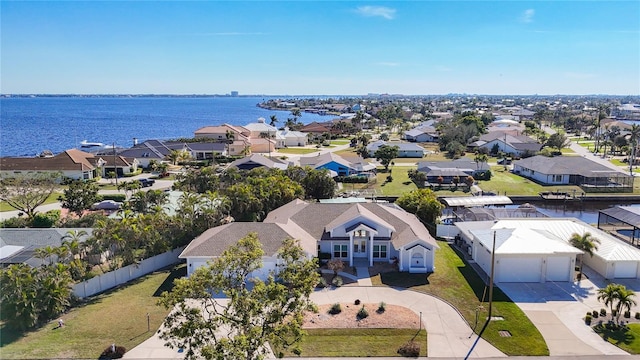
(340, 142)
(457, 283)
(53, 198)
(119, 317)
(503, 181)
(626, 339)
(297, 151)
(358, 342)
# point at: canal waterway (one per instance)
(586, 211)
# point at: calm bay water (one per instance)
(30, 125)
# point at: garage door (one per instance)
(519, 270)
(625, 269)
(558, 268)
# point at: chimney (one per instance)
(135, 141)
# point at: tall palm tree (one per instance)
(231, 136)
(633, 141)
(274, 120)
(625, 301)
(72, 240)
(609, 295)
(586, 243)
(480, 159)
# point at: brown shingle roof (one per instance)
(68, 160)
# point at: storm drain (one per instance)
(504, 333)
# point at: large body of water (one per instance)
(30, 125)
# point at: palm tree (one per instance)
(586, 243)
(231, 137)
(173, 156)
(72, 240)
(274, 120)
(633, 141)
(480, 159)
(609, 295)
(625, 301)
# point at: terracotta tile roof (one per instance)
(68, 160)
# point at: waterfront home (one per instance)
(447, 170)
(287, 137)
(236, 137)
(338, 165)
(405, 150)
(622, 222)
(159, 150)
(550, 257)
(573, 170)
(72, 164)
(359, 234)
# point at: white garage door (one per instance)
(625, 269)
(519, 270)
(558, 268)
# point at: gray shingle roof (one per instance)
(563, 165)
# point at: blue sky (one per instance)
(321, 47)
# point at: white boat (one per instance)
(86, 144)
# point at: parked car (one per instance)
(146, 182)
(106, 205)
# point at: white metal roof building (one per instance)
(538, 250)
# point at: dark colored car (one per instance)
(146, 182)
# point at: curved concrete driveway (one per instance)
(448, 334)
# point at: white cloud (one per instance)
(370, 11)
(527, 16)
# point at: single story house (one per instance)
(338, 165)
(257, 160)
(18, 246)
(621, 221)
(538, 249)
(421, 134)
(287, 137)
(159, 150)
(517, 145)
(361, 233)
(461, 168)
(405, 150)
(573, 170)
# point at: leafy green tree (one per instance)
(385, 154)
(318, 184)
(265, 312)
(25, 193)
(634, 136)
(45, 220)
(79, 196)
(585, 242)
(557, 141)
(384, 136)
(423, 203)
(198, 180)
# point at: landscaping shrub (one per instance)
(335, 309)
(410, 349)
(322, 283)
(113, 352)
(337, 281)
(627, 314)
(357, 302)
(45, 220)
(637, 315)
(362, 313)
(594, 313)
(114, 197)
(382, 307)
(587, 319)
(603, 312)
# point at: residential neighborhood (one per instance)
(452, 215)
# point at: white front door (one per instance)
(360, 248)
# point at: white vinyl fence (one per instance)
(112, 279)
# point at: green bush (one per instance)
(587, 319)
(362, 313)
(382, 307)
(322, 283)
(46, 220)
(337, 281)
(15, 222)
(335, 309)
(410, 349)
(594, 313)
(603, 312)
(132, 174)
(114, 197)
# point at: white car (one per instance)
(106, 205)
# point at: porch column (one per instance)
(370, 250)
(350, 249)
